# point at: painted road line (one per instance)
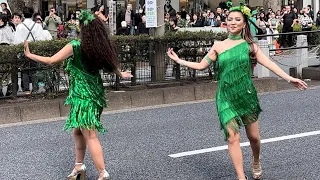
(219, 148)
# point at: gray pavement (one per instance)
(138, 143)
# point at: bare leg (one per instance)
(236, 153)
(254, 138)
(80, 146)
(253, 135)
(95, 148)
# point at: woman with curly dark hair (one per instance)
(86, 94)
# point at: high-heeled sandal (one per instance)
(246, 178)
(106, 175)
(78, 173)
(256, 170)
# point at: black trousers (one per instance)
(287, 39)
(308, 35)
(29, 76)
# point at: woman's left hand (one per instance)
(126, 75)
(299, 83)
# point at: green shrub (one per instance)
(131, 49)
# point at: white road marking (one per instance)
(219, 148)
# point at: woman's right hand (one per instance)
(26, 49)
(173, 55)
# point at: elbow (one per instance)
(200, 68)
(50, 62)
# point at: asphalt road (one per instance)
(138, 143)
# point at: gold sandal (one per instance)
(246, 178)
(256, 170)
(78, 173)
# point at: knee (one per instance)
(254, 138)
(234, 138)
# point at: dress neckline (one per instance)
(231, 48)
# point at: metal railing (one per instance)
(146, 60)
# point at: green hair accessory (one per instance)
(86, 17)
(242, 8)
(229, 4)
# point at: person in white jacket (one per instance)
(28, 29)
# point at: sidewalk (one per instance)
(24, 109)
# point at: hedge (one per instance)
(131, 49)
(49, 48)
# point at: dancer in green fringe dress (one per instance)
(86, 94)
(236, 98)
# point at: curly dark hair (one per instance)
(97, 51)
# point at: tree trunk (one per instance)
(18, 5)
(273, 4)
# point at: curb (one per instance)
(50, 109)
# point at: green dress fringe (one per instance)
(86, 94)
(236, 99)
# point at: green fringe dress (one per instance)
(86, 94)
(236, 99)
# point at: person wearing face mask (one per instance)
(169, 9)
(123, 30)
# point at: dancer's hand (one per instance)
(299, 83)
(173, 55)
(126, 75)
(26, 49)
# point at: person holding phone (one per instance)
(53, 21)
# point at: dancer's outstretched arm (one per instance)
(60, 56)
(266, 62)
(206, 61)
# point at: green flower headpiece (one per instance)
(86, 17)
(229, 4)
(242, 8)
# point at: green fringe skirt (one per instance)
(84, 114)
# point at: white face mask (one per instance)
(123, 24)
(188, 18)
(140, 11)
